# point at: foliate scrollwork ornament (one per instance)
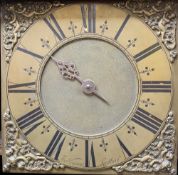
(17, 19)
(160, 16)
(20, 154)
(158, 156)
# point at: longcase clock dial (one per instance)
(86, 89)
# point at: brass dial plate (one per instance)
(147, 54)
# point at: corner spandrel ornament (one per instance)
(160, 17)
(158, 156)
(18, 17)
(20, 154)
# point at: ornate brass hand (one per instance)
(69, 71)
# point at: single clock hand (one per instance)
(69, 71)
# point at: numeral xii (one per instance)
(91, 17)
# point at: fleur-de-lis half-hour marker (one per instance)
(45, 43)
(131, 129)
(131, 43)
(104, 144)
(147, 102)
(147, 71)
(104, 27)
(29, 71)
(30, 102)
(45, 129)
(72, 145)
(72, 27)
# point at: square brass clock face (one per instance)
(88, 87)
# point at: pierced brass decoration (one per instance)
(18, 17)
(158, 155)
(20, 154)
(160, 16)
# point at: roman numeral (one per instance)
(29, 53)
(156, 86)
(91, 18)
(122, 27)
(145, 53)
(50, 22)
(83, 11)
(55, 145)
(89, 155)
(125, 149)
(91, 28)
(30, 119)
(22, 88)
(147, 120)
(33, 127)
